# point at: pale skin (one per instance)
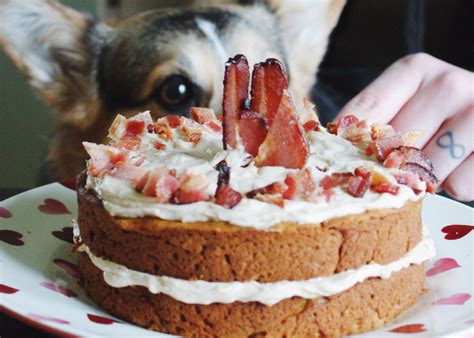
(420, 92)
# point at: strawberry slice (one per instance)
(236, 84)
(298, 184)
(225, 195)
(202, 115)
(285, 144)
(159, 183)
(268, 83)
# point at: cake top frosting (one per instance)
(263, 163)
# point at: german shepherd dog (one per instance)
(163, 60)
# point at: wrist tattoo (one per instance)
(446, 141)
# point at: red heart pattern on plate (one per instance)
(456, 231)
(11, 237)
(35, 316)
(7, 289)
(69, 183)
(410, 328)
(4, 213)
(100, 320)
(52, 206)
(66, 234)
(456, 299)
(442, 265)
(59, 289)
(70, 268)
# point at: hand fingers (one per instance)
(443, 97)
(460, 184)
(452, 143)
(386, 95)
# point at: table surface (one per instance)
(12, 328)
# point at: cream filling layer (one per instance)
(203, 292)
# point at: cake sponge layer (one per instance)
(367, 305)
(218, 251)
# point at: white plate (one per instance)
(38, 281)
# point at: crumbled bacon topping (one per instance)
(225, 196)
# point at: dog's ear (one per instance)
(305, 26)
(56, 48)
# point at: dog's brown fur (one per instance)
(88, 71)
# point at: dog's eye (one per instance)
(176, 94)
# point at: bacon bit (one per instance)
(425, 175)
(385, 188)
(277, 188)
(128, 144)
(103, 157)
(311, 126)
(191, 189)
(394, 160)
(346, 121)
(378, 178)
(362, 172)
(328, 193)
(191, 135)
(308, 113)
(358, 185)
(134, 128)
(145, 117)
(381, 131)
(285, 144)
(159, 183)
(369, 151)
(269, 81)
(187, 197)
(159, 146)
(409, 179)
(298, 184)
(163, 130)
(383, 147)
(174, 121)
(202, 115)
(225, 195)
(117, 128)
(271, 199)
(236, 84)
(335, 180)
(332, 128)
(402, 155)
(128, 172)
(214, 126)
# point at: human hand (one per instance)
(420, 92)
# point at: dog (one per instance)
(164, 60)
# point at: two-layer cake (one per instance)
(260, 224)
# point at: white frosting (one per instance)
(203, 292)
(326, 151)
